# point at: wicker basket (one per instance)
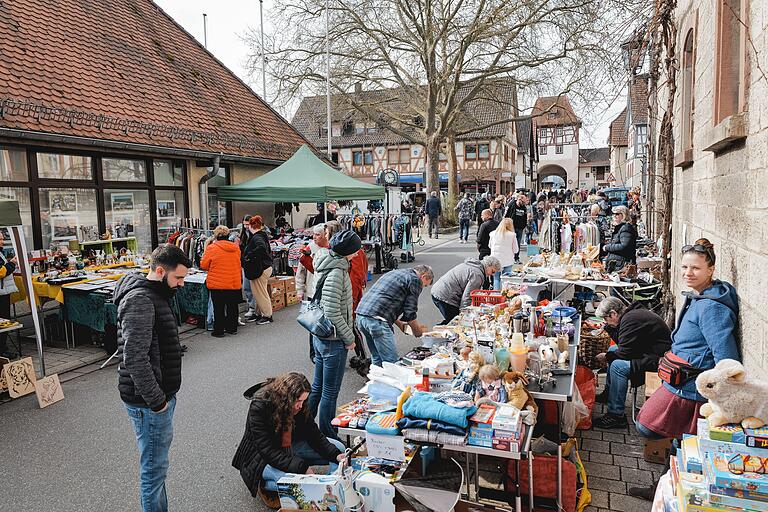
(590, 346)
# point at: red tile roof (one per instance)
(559, 105)
(617, 135)
(123, 70)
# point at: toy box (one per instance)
(507, 418)
(311, 492)
(756, 437)
(729, 433)
(737, 472)
(693, 495)
(378, 494)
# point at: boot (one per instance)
(270, 499)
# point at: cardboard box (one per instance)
(300, 491)
(657, 450)
(278, 302)
(289, 283)
(291, 298)
(652, 383)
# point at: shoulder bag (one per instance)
(675, 370)
(312, 317)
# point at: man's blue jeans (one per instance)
(617, 383)
(506, 271)
(464, 229)
(270, 476)
(248, 293)
(330, 361)
(519, 234)
(154, 433)
(380, 339)
(449, 311)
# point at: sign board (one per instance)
(611, 177)
(385, 447)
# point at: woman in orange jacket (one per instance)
(222, 261)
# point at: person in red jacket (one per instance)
(222, 261)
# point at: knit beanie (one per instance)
(345, 243)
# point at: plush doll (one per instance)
(490, 388)
(517, 393)
(467, 380)
(733, 398)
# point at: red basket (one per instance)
(480, 297)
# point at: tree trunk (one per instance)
(453, 171)
(432, 161)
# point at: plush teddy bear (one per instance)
(733, 398)
(517, 393)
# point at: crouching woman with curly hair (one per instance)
(281, 437)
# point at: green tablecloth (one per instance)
(94, 310)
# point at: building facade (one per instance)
(486, 158)
(133, 132)
(557, 137)
(721, 134)
(637, 132)
(594, 168)
(527, 165)
(617, 144)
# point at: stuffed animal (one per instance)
(548, 353)
(733, 398)
(467, 380)
(517, 393)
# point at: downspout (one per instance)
(204, 190)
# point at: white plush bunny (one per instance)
(733, 398)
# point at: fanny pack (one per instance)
(676, 371)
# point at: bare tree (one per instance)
(431, 59)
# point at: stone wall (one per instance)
(724, 196)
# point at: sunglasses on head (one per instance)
(697, 248)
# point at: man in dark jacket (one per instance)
(518, 212)
(433, 209)
(150, 364)
(484, 234)
(480, 204)
(642, 337)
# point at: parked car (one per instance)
(617, 196)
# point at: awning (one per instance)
(418, 178)
(303, 178)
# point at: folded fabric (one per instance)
(424, 406)
(435, 425)
(381, 391)
(462, 382)
(431, 436)
(455, 398)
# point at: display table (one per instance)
(17, 329)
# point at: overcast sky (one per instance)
(228, 20)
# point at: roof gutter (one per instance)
(133, 147)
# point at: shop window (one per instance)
(687, 92)
(68, 214)
(470, 151)
(120, 169)
(64, 167)
(217, 211)
(559, 149)
(730, 69)
(483, 151)
(219, 180)
(21, 195)
(126, 214)
(168, 174)
(357, 158)
(13, 164)
(171, 207)
(368, 157)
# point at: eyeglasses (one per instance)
(700, 249)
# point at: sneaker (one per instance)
(251, 316)
(270, 499)
(644, 493)
(240, 321)
(610, 421)
(264, 320)
(602, 398)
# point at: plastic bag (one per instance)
(574, 412)
(586, 382)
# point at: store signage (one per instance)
(385, 447)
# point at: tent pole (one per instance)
(20, 247)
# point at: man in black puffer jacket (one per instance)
(150, 364)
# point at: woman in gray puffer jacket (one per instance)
(336, 300)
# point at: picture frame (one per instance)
(166, 209)
(122, 201)
(62, 202)
(64, 228)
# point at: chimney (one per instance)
(358, 88)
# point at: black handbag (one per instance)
(312, 317)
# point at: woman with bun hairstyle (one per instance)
(705, 335)
(257, 264)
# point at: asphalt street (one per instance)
(80, 454)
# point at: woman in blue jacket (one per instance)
(705, 334)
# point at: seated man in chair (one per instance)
(641, 337)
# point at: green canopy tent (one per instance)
(303, 178)
(10, 217)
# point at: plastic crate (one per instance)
(480, 297)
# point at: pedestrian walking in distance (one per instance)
(434, 209)
(150, 364)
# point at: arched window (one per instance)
(687, 99)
